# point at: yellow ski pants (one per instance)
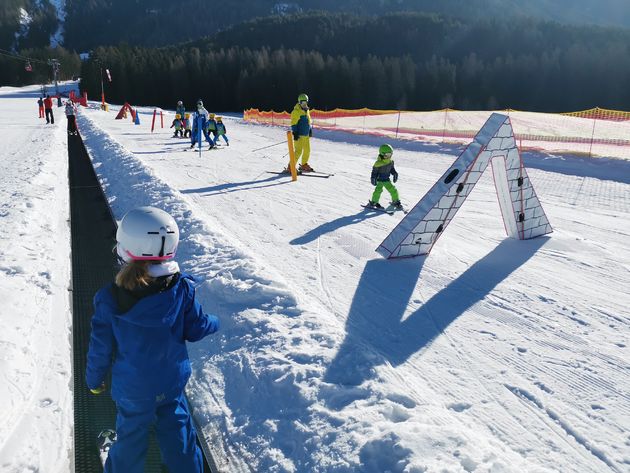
(302, 149)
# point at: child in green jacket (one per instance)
(382, 169)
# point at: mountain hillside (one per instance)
(162, 22)
(417, 62)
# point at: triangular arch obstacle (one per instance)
(123, 112)
(523, 216)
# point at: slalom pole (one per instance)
(199, 133)
(292, 163)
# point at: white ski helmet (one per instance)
(147, 234)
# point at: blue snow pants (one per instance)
(175, 432)
(225, 138)
(195, 134)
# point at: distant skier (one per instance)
(199, 119)
(48, 106)
(40, 104)
(177, 124)
(181, 110)
(187, 126)
(382, 169)
(212, 127)
(221, 132)
(140, 327)
(301, 126)
(71, 115)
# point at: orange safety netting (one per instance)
(594, 132)
(600, 114)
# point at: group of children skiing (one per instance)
(143, 320)
(191, 125)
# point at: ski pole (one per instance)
(270, 146)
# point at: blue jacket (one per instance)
(146, 345)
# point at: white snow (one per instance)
(36, 406)
(57, 38)
(25, 23)
(25, 18)
(490, 355)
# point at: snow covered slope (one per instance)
(490, 355)
(35, 346)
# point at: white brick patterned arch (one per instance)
(523, 216)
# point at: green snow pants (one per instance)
(378, 190)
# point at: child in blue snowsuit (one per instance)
(140, 328)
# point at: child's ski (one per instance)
(310, 174)
(104, 442)
(390, 210)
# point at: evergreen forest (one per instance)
(408, 61)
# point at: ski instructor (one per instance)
(199, 124)
(301, 126)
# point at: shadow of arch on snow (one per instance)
(375, 333)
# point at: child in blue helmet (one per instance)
(140, 327)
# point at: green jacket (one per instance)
(382, 169)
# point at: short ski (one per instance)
(390, 210)
(104, 441)
(308, 174)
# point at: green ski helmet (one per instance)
(385, 149)
(302, 98)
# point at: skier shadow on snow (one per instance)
(375, 333)
(163, 151)
(328, 227)
(230, 186)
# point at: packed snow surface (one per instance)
(489, 355)
(35, 319)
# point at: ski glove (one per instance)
(295, 136)
(395, 177)
(373, 181)
(310, 132)
(99, 390)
